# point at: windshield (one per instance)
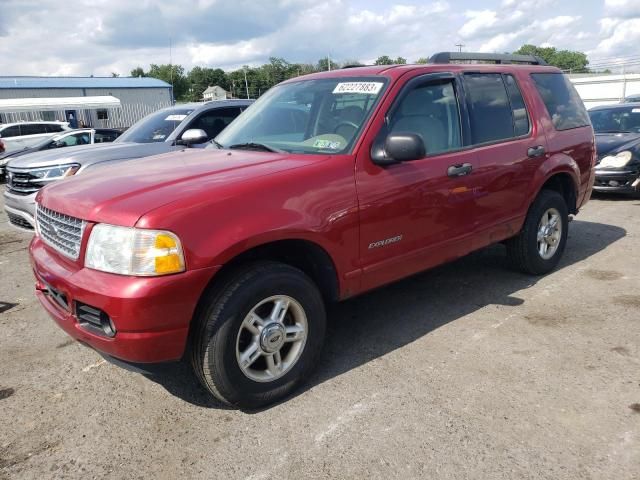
(155, 127)
(309, 116)
(616, 120)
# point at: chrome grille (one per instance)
(22, 182)
(61, 232)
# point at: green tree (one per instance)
(174, 75)
(422, 60)
(384, 60)
(568, 60)
(323, 64)
(400, 61)
(115, 74)
(138, 72)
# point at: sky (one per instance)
(97, 37)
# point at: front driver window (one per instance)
(431, 111)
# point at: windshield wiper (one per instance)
(613, 131)
(254, 146)
(217, 144)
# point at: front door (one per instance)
(416, 214)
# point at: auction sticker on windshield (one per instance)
(371, 88)
(175, 118)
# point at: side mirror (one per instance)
(398, 147)
(404, 147)
(193, 136)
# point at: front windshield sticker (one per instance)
(635, 110)
(175, 118)
(159, 136)
(371, 88)
(326, 144)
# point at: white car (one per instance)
(16, 136)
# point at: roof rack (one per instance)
(471, 57)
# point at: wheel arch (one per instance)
(561, 174)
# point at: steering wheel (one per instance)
(346, 123)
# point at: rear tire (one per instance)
(258, 335)
(540, 244)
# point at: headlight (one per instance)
(133, 251)
(50, 174)
(619, 160)
(4, 161)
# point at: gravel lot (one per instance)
(467, 371)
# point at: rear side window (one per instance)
(13, 131)
(520, 116)
(52, 128)
(562, 101)
(34, 129)
(489, 107)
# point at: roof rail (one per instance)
(471, 57)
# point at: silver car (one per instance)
(169, 129)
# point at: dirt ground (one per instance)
(467, 371)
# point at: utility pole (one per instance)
(329, 62)
(171, 72)
(246, 84)
(460, 45)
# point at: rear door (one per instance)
(507, 148)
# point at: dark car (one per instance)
(173, 128)
(632, 98)
(617, 129)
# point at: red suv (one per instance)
(328, 186)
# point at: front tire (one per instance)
(541, 242)
(258, 335)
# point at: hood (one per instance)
(121, 194)
(87, 155)
(608, 142)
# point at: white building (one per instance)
(598, 89)
(138, 97)
(215, 93)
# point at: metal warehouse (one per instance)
(134, 97)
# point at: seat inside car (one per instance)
(420, 114)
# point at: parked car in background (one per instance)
(331, 185)
(617, 129)
(173, 128)
(632, 99)
(71, 138)
(25, 134)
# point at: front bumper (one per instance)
(616, 180)
(151, 315)
(21, 210)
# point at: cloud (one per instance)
(47, 37)
(622, 8)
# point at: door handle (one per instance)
(535, 152)
(459, 170)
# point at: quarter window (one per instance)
(520, 116)
(562, 101)
(430, 110)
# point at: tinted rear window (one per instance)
(489, 108)
(562, 101)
